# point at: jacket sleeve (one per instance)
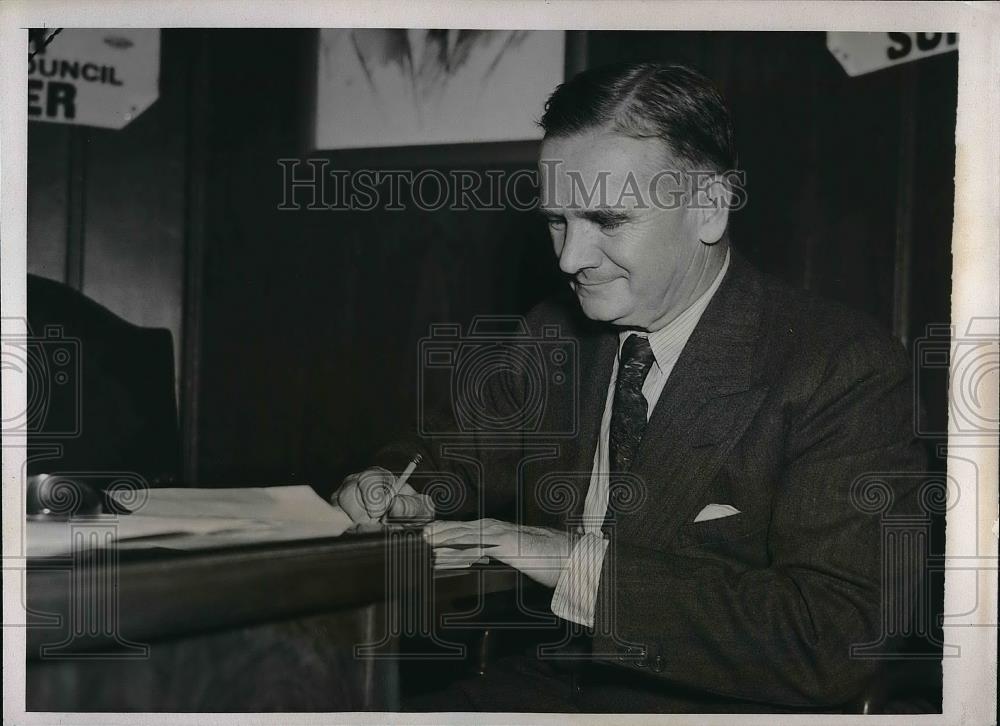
(783, 634)
(466, 467)
(465, 476)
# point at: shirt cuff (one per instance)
(576, 590)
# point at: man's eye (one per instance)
(610, 226)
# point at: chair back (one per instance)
(101, 392)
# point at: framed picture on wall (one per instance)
(378, 88)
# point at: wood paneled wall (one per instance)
(298, 329)
(106, 208)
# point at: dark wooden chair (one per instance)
(101, 395)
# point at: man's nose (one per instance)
(578, 252)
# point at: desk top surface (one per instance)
(155, 593)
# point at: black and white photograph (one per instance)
(491, 363)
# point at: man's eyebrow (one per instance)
(605, 216)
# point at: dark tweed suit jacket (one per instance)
(779, 405)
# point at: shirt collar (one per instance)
(668, 341)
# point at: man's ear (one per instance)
(713, 199)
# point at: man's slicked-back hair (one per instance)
(648, 100)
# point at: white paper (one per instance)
(299, 503)
(187, 518)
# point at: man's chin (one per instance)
(604, 311)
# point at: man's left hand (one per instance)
(540, 553)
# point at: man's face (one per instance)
(632, 258)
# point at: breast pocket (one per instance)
(714, 531)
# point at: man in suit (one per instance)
(694, 498)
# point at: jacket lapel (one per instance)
(706, 405)
(597, 356)
(556, 485)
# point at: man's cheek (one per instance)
(608, 302)
(618, 292)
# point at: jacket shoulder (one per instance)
(805, 333)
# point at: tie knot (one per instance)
(637, 353)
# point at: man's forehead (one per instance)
(590, 152)
(617, 167)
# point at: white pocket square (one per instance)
(716, 511)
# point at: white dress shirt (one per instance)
(576, 589)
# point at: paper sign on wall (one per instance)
(861, 53)
(93, 77)
(405, 87)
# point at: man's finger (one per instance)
(462, 538)
(358, 505)
(471, 552)
(350, 500)
(443, 525)
(376, 488)
(436, 537)
(407, 489)
(412, 507)
(350, 481)
(465, 538)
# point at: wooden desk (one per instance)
(306, 626)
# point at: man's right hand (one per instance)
(364, 497)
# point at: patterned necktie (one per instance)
(628, 412)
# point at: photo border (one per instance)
(969, 689)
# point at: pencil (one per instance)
(399, 485)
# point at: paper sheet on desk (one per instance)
(46, 538)
(277, 514)
(297, 503)
(187, 518)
